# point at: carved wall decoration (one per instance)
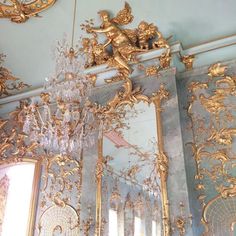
(19, 11)
(60, 219)
(62, 179)
(8, 82)
(211, 109)
(4, 185)
(125, 43)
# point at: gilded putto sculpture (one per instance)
(122, 45)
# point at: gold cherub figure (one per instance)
(121, 41)
(145, 33)
(95, 52)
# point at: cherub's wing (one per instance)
(124, 16)
(132, 35)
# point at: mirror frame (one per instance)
(129, 96)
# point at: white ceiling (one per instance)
(29, 46)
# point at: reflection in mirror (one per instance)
(130, 183)
(16, 209)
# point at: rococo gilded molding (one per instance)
(19, 12)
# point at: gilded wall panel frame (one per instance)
(130, 96)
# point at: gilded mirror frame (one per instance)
(129, 95)
(35, 186)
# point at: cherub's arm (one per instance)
(99, 30)
(107, 43)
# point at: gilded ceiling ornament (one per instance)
(8, 82)
(188, 61)
(19, 11)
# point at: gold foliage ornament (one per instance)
(19, 11)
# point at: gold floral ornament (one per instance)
(19, 11)
(125, 43)
(8, 82)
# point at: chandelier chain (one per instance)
(73, 24)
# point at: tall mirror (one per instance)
(131, 193)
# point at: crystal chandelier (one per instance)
(64, 121)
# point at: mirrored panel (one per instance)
(131, 199)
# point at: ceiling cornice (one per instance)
(103, 71)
